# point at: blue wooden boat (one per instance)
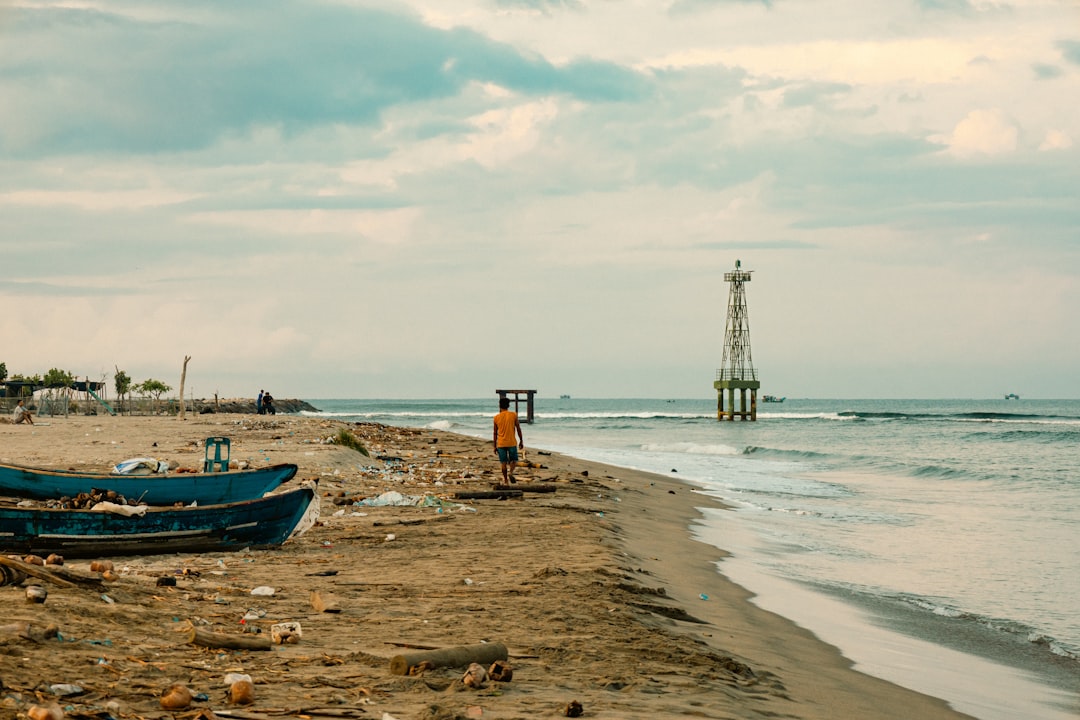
(264, 522)
(186, 488)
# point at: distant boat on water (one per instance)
(773, 398)
(1012, 396)
(564, 397)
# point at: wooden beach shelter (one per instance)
(529, 395)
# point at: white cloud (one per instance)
(1056, 140)
(96, 201)
(983, 132)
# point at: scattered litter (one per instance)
(263, 591)
(141, 466)
(286, 633)
(66, 689)
(117, 509)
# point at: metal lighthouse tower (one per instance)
(737, 368)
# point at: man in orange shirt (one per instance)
(506, 424)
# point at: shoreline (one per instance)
(597, 588)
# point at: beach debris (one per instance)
(475, 676)
(100, 566)
(242, 691)
(527, 487)
(56, 574)
(141, 466)
(501, 671)
(49, 712)
(488, 494)
(286, 633)
(36, 594)
(54, 559)
(574, 709)
(263, 591)
(166, 581)
(210, 639)
(11, 576)
(176, 697)
(34, 560)
(25, 631)
(460, 656)
(325, 602)
(66, 690)
(421, 668)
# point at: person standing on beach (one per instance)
(258, 404)
(21, 415)
(506, 424)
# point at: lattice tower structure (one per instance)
(737, 363)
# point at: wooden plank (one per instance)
(488, 495)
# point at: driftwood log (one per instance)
(56, 574)
(206, 638)
(461, 656)
(527, 487)
(26, 631)
(488, 495)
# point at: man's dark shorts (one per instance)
(508, 454)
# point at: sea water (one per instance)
(935, 542)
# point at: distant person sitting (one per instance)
(268, 405)
(22, 414)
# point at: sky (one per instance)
(441, 198)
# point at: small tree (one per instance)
(3, 372)
(122, 383)
(58, 394)
(58, 378)
(155, 389)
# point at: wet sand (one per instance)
(597, 590)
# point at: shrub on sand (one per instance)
(347, 439)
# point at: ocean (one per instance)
(935, 542)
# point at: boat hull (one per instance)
(260, 523)
(186, 488)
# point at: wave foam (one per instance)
(691, 449)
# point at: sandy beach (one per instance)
(597, 591)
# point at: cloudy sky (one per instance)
(437, 198)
